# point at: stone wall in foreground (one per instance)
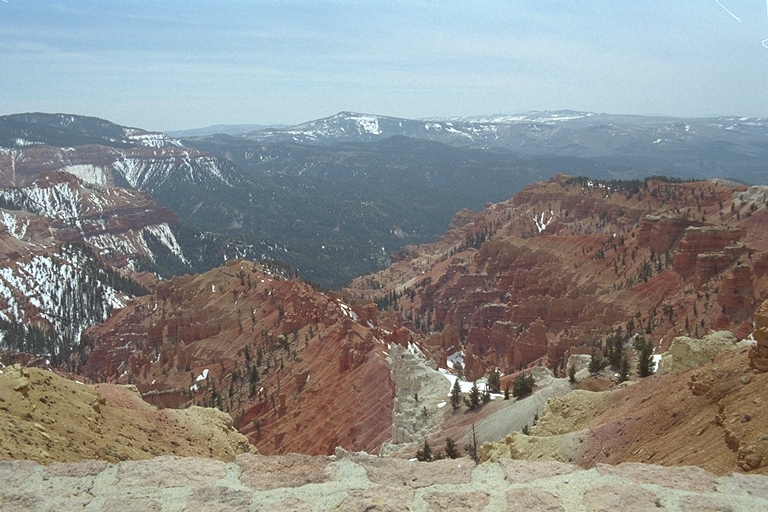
(352, 481)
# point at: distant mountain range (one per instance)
(703, 147)
(335, 197)
(226, 129)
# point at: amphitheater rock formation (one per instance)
(563, 264)
(298, 370)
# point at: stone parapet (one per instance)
(356, 481)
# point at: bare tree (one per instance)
(471, 447)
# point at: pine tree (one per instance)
(523, 386)
(254, 376)
(645, 362)
(450, 448)
(572, 374)
(624, 369)
(456, 394)
(473, 402)
(596, 363)
(425, 454)
(494, 381)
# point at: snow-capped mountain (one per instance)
(344, 126)
(703, 147)
(586, 132)
(32, 129)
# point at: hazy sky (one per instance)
(178, 64)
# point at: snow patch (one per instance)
(456, 357)
(165, 235)
(348, 312)
(15, 228)
(367, 124)
(88, 173)
(541, 224)
(151, 139)
(465, 386)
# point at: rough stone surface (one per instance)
(688, 478)
(758, 356)
(621, 497)
(457, 500)
(532, 499)
(685, 353)
(263, 473)
(523, 472)
(356, 481)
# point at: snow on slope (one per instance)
(132, 243)
(148, 173)
(86, 208)
(151, 139)
(59, 201)
(16, 227)
(56, 289)
(95, 174)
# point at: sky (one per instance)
(178, 64)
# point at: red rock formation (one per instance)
(702, 240)
(662, 233)
(568, 261)
(290, 365)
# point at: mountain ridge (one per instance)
(668, 143)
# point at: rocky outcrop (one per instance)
(758, 356)
(350, 481)
(662, 233)
(711, 416)
(419, 389)
(705, 244)
(685, 353)
(47, 418)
